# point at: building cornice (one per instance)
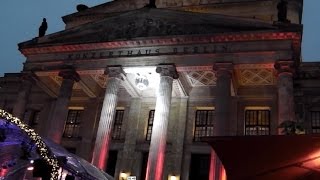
(177, 40)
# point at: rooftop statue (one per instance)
(282, 11)
(43, 28)
(81, 7)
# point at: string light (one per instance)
(44, 152)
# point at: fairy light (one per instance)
(44, 152)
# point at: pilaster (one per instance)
(128, 160)
(87, 129)
(19, 108)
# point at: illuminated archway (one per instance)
(43, 150)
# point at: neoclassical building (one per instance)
(133, 88)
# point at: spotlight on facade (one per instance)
(142, 82)
(124, 176)
(172, 177)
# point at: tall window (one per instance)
(71, 129)
(116, 131)
(315, 121)
(150, 124)
(203, 124)
(257, 122)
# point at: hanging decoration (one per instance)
(43, 150)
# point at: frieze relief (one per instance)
(141, 27)
(201, 78)
(255, 77)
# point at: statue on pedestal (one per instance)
(282, 11)
(43, 28)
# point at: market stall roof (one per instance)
(76, 164)
(16, 149)
(269, 157)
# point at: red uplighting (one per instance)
(212, 165)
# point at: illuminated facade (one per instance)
(133, 89)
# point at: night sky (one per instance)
(20, 21)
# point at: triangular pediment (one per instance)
(150, 22)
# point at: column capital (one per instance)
(284, 67)
(115, 72)
(223, 69)
(69, 74)
(167, 70)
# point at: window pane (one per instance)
(116, 130)
(204, 124)
(72, 126)
(257, 122)
(315, 121)
(150, 124)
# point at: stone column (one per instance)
(159, 131)
(222, 111)
(19, 107)
(87, 129)
(285, 72)
(128, 159)
(101, 148)
(60, 111)
(223, 98)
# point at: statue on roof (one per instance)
(82, 7)
(43, 28)
(282, 11)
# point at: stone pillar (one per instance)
(101, 148)
(222, 111)
(223, 98)
(128, 159)
(87, 129)
(19, 107)
(178, 140)
(159, 131)
(285, 72)
(60, 111)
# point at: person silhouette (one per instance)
(282, 10)
(43, 28)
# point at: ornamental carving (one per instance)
(167, 70)
(101, 79)
(255, 77)
(149, 27)
(59, 79)
(201, 78)
(115, 72)
(69, 74)
(284, 67)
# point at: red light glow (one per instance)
(212, 165)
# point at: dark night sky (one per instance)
(20, 21)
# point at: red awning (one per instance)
(269, 157)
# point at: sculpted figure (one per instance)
(282, 10)
(43, 28)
